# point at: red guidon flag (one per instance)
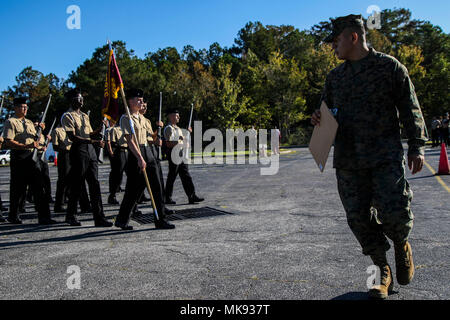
(110, 108)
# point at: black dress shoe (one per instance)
(73, 222)
(123, 227)
(169, 201)
(113, 200)
(195, 199)
(47, 222)
(14, 220)
(161, 224)
(103, 224)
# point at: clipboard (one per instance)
(323, 137)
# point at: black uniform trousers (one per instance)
(84, 168)
(186, 179)
(63, 173)
(63, 183)
(136, 185)
(118, 165)
(158, 162)
(24, 171)
(46, 178)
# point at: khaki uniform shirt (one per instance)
(117, 137)
(173, 133)
(20, 131)
(140, 127)
(149, 130)
(60, 139)
(78, 123)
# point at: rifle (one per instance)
(188, 137)
(46, 140)
(39, 130)
(1, 106)
(159, 128)
(100, 155)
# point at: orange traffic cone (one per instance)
(444, 167)
(56, 160)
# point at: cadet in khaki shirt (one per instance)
(61, 144)
(83, 160)
(20, 135)
(140, 158)
(174, 136)
(118, 153)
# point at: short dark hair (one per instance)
(360, 31)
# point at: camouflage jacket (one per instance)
(370, 98)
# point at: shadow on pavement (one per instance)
(89, 235)
(353, 296)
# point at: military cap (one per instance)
(20, 100)
(72, 93)
(172, 110)
(339, 24)
(134, 93)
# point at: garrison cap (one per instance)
(20, 100)
(134, 93)
(173, 110)
(72, 93)
(339, 24)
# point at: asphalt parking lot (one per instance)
(255, 237)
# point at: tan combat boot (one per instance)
(404, 263)
(386, 285)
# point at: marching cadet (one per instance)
(83, 160)
(373, 94)
(62, 145)
(140, 157)
(118, 152)
(20, 136)
(173, 136)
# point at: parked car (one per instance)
(5, 157)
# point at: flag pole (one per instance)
(159, 128)
(139, 151)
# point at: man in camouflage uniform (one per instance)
(371, 94)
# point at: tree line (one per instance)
(271, 77)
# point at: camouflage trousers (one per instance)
(377, 202)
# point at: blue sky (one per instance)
(34, 33)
